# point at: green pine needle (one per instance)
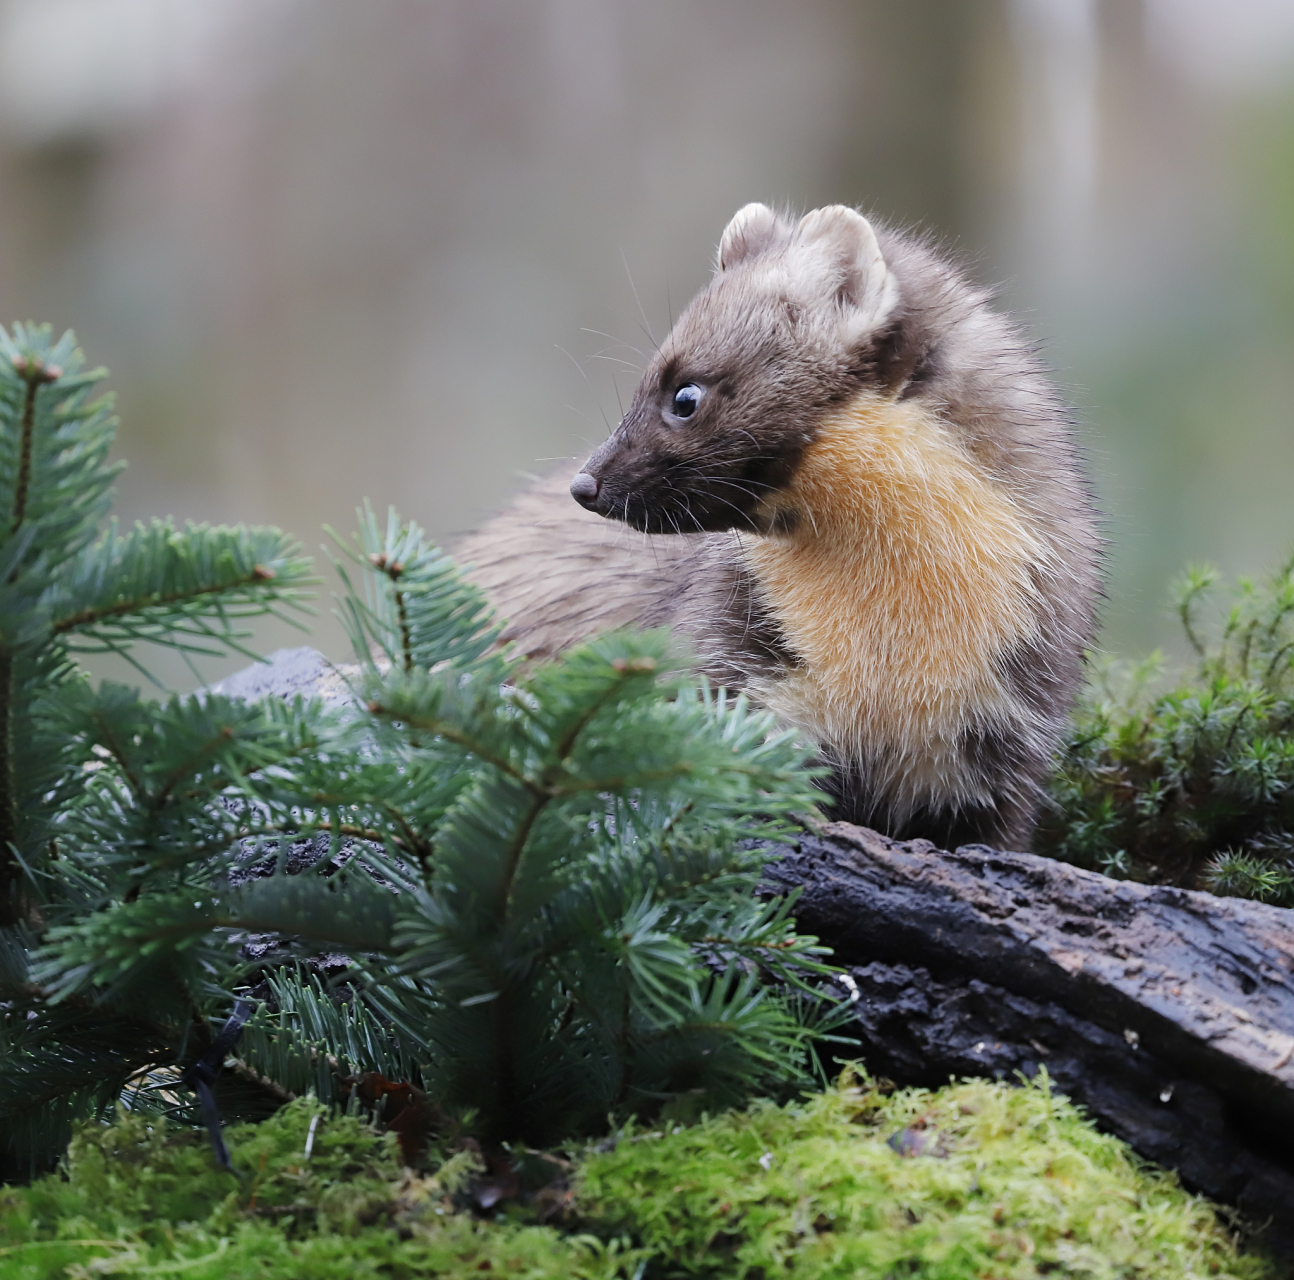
(1193, 783)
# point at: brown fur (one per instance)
(874, 523)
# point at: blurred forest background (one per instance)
(333, 250)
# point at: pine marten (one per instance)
(849, 484)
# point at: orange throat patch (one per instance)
(908, 578)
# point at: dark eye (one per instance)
(686, 399)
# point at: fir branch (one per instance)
(311, 1039)
(400, 709)
(123, 947)
(393, 570)
(10, 911)
(35, 374)
(431, 619)
(54, 476)
(165, 585)
(94, 614)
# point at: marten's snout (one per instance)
(584, 489)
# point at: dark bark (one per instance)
(1167, 1014)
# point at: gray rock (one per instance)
(287, 673)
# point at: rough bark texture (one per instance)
(1167, 1014)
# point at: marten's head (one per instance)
(798, 319)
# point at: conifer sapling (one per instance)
(539, 876)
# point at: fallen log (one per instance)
(1167, 1014)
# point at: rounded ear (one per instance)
(753, 229)
(838, 251)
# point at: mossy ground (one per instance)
(975, 1180)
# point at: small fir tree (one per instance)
(66, 587)
(540, 875)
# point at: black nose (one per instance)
(584, 489)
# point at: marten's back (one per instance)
(845, 479)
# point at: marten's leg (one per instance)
(1007, 822)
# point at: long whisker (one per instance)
(641, 311)
(628, 364)
(619, 401)
(619, 342)
(750, 596)
(758, 493)
(585, 375)
(691, 515)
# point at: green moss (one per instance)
(1009, 1183)
(137, 1199)
(996, 1182)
